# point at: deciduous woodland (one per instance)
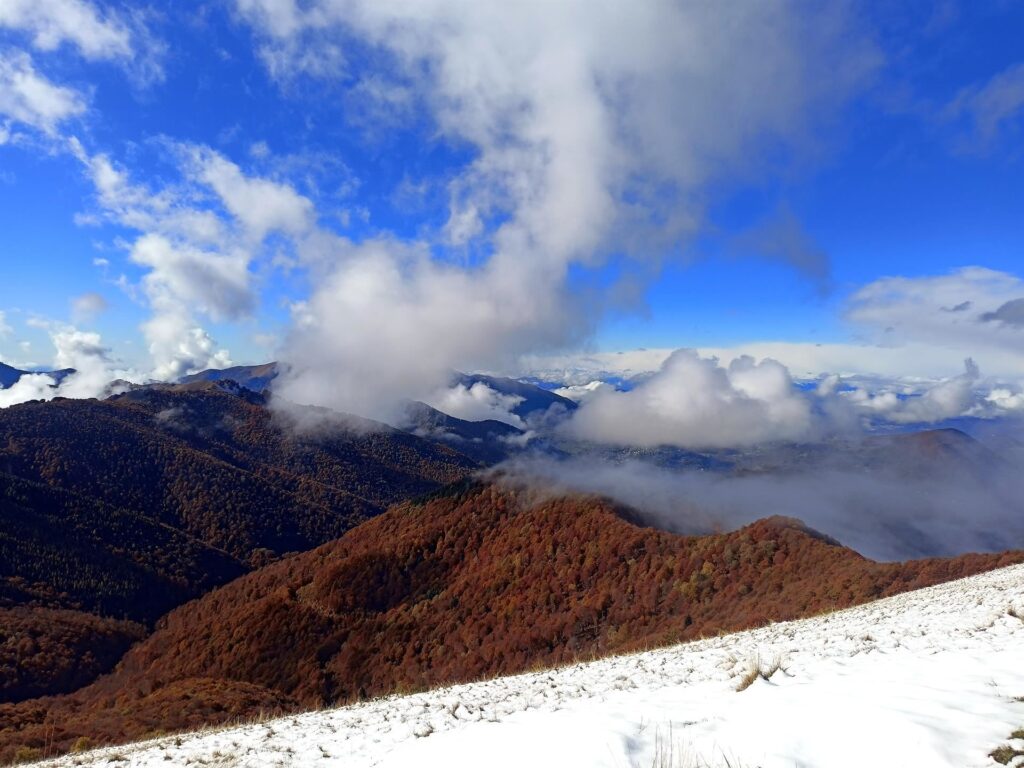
(123, 509)
(479, 580)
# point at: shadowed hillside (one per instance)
(128, 507)
(476, 581)
(45, 651)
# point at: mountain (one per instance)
(258, 378)
(486, 441)
(474, 581)
(127, 507)
(534, 400)
(9, 376)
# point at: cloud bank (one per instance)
(695, 402)
(698, 403)
(593, 129)
(891, 512)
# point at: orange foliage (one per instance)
(474, 582)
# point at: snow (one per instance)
(929, 678)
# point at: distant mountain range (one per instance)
(10, 376)
(475, 581)
(489, 440)
(534, 399)
(258, 378)
(486, 441)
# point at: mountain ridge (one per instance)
(127, 507)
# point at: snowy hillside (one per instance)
(928, 678)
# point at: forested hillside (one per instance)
(478, 581)
(128, 507)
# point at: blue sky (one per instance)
(892, 149)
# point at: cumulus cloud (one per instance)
(390, 324)
(214, 283)
(198, 240)
(51, 23)
(28, 97)
(594, 128)
(95, 33)
(581, 392)
(477, 403)
(83, 351)
(32, 387)
(699, 403)
(260, 205)
(936, 321)
(694, 402)
(183, 279)
(1007, 399)
(5, 328)
(944, 400)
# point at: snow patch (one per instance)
(928, 678)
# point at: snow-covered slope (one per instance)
(928, 678)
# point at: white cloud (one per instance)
(198, 241)
(260, 205)
(52, 23)
(280, 18)
(477, 403)
(87, 306)
(579, 368)
(28, 97)
(943, 400)
(955, 310)
(911, 362)
(5, 328)
(1007, 399)
(595, 129)
(183, 280)
(179, 346)
(33, 387)
(581, 392)
(83, 351)
(694, 402)
(213, 283)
